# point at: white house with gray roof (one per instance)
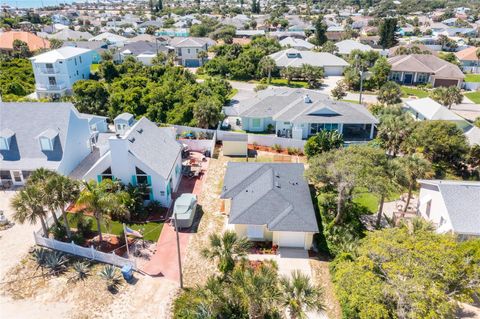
(300, 113)
(56, 71)
(188, 48)
(139, 152)
(452, 206)
(269, 202)
(331, 64)
(49, 135)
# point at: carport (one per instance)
(235, 144)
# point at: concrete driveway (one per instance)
(288, 260)
(329, 83)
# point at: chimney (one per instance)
(307, 99)
(120, 161)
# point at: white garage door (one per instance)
(291, 239)
(333, 70)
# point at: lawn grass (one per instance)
(350, 101)
(409, 91)
(232, 94)
(293, 84)
(94, 68)
(369, 200)
(472, 77)
(150, 230)
(474, 96)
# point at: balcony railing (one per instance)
(51, 87)
(48, 70)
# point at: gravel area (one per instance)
(321, 276)
(196, 268)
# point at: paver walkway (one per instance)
(165, 260)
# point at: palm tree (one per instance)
(447, 96)
(41, 177)
(101, 201)
(299, 295)
(266, 66)
(411, 168)
(64, 191)
(393, 130)
(256, 288)
(289, 73)
(28, 206)
(477, 53)
(226, 248)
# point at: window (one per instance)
(256, 123)
(442, 221)
(143, 179)
(396, 76)
(4, 144)
(80, 59)
(196, 50)
(106, 174)
(317, 127)
(75, 61)
(422, 77)
(255, 231)
(177, 170)
(46, 144)
(188, 51)
(429, 208)
(52, 80)
(77, 72)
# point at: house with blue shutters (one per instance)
(139, 152)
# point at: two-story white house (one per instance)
(187, 50)
(54, 136)
(139, 152)
(56, 71)
(452, 206)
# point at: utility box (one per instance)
(127, 272)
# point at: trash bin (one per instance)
(127, 272)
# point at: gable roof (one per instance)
(392, 51)
(288, 105)
(295, 58)
(69, 35)
(296, 43)
(156, 147)
(347, 46)
(59, 54)
(27, 122)
(108, 36)
(432, 110)
(468, 54)
(461, 201)
(190, 42)
(139, 47)
(34, 42)
(272, 194)
(425, 63)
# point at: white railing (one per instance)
(90, 253)
(48, 70)
(51, 87)
(74, 249)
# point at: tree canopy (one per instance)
(407, 272)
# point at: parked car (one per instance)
(184, 208)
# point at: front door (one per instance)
(17, 177)
(408, 78)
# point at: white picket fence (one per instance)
(89, 253)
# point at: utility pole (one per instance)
(361, 85)
(178, 252)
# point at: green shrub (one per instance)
(260, 87)
(277, 147)
(59, 232)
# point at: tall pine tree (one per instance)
(320, 31)
(388, 33)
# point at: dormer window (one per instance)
(5, 139)
(47, 139)
(4, 145)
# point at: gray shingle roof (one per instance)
(154, 146)
(289, 106)
(272, 194)
(28, 121)
(462, 201)
(140, 47)
(285, 58)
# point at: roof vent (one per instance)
(132, 139)
(140, 131)
(307, 99)
(117, 135)
(277, 185)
